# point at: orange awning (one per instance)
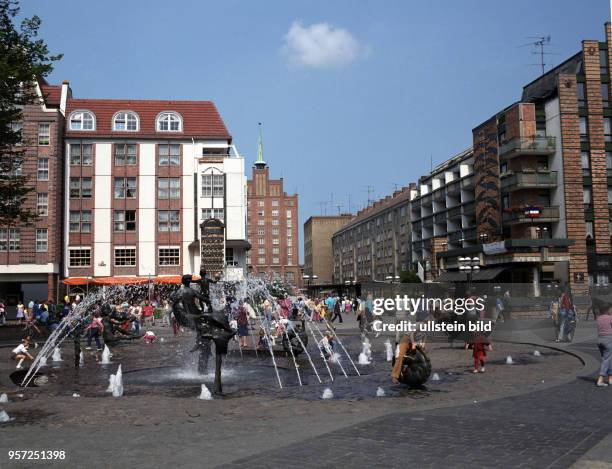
(164, 279)
(76, 281)
(119, 280)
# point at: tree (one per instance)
(23, 59)
(409, 276)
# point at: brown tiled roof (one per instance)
(51, 93)
(200, 118)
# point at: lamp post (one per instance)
(392, 278)
(469, 265)
(309, 279)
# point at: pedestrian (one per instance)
(337, 311)
(327, 345)
(149, 337)
(166, 313)
(94, 330)
(148, 315)
(479, 345)
(604, 343)
(135, 317)
(20, 312)
(242, 322)
(2, 313)
(20, 353)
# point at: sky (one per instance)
(350, 93)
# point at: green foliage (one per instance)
(23, 59)
(409, 276)
(279, 289)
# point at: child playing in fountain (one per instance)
(479, 345)
(94, 330)
(20, 353)
(327, 345)
(149, 337)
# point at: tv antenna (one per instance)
(370, 190)
(539, 44)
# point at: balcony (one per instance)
(533, 215)
(528, 146)
(455, 236)
(440, 217)
(439, 196)
(469, 234)
(467, 183)
(513, 181)
(453, 213)
(453, 189)
(427, 222)
(469, 208)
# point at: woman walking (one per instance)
(604, 342)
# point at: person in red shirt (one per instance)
(479, 345)
(147, 314)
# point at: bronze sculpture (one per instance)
(208, 324)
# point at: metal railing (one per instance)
(535, 145)
(546, 214)
(526, 180)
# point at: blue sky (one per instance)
(364, 98)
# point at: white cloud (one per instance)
(321, 45)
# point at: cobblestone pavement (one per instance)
(536, 413)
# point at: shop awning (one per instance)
(99, 281)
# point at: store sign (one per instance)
(498, 247)
(212, 246)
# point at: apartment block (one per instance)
(318, 252)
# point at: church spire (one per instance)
(260, 163)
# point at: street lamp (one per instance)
(393, 278)
(469, 265)
(484, 237)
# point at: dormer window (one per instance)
(126, 121)
(82, 120)
(169, 122)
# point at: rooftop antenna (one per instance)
(539, 44)
(370, 190)
(339, 207)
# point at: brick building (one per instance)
(375, 245)
(31, 256)
(318, 252)
(543, 178)
(143, 180)
(273, 226)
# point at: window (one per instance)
(605, 95)
(79, 257)
(289, 214)
(261, 260)
(275, 213)
(261, 251)
(81, 154)
(583, 129)
(586, 198)
(275, 260)
(229, 257)
(261, 222)
(261, 241)
(42, 242)
(80, 221)
(275, 241)
(275, 231)
(42, 173)
(586, 163)
(213, 185)
(9, 239)
(82, 120)
(609, 195)
(169, 122)
(124, 220)
(289, 223)
(261, 231)
(275, 251)
(169, 188)
(125, 257)
(125, 121)
(580, 89)
(274, 203)
(607, 122)
(80, 188)
(603, 62)
(125, 154)
(42, 204)
(609, 161)
(168, 220)
(505, 200)
(289, 241)
(289, 251)
(260, 203)
(275, 222)
(169, 155)
(213, 213)
(289, 233)
(169, 256)
(125, 188)
(44, 133)
(289, 276)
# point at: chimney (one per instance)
(66, 93)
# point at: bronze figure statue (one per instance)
(209, 325)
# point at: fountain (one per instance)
(57, 355)
(205, 394)
(43, 361)
(327, 394)
(435, 377)
(117, 383)
(536, 353)
(509, 360)
(389, 350)
(4, 417)
(3, 398)
(380, 392)
(106, 355)
(81, 359)
(365, 357)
